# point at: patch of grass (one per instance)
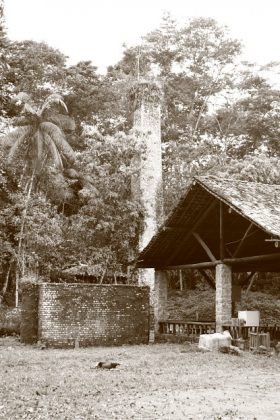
(162, 381)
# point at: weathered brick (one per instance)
(29, 313)
(92, 314)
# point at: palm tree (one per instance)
(39, 141)
(2, 24)
(39, 137)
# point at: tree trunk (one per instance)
(5, 285)
(20, 266)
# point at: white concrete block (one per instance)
(214, 341)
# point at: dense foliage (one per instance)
(67, 154)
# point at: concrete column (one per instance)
(223, 295)
(160, 297)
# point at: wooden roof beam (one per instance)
(250, 285)
(246, 281)
(194, 228)
(208, 264)
(229, 261)
(255, 258)
(204, 246)
(186, 229)
(239, 246)
(208, 278)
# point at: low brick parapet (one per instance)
(90, 315)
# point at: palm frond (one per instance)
(57, 136)
(22, 97)
(12, 138)
(28, 109)
(65, 122)
(21, 121)
(52, 150)
(54, 99)
(71, 173)
(24, 133)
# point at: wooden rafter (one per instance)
(246, 281)
(210, 230)
(255, 258)
(194, 228)
(208, 278)
(250, 285)
(204, 246)
(228, 251)
(208, 264)
(239, 246)
(229, 261)
(176, 229)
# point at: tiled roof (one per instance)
(244, 203)
(258, 202)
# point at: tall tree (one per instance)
(104, 231)
(194, 62)
(3, 38)
(38, 141)
(4, 67)
(35, 68)
(39, 138)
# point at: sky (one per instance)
(97, 29)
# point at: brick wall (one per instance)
(93, 314)
(29, 313)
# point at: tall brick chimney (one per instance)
(146, 123)
(146, 97)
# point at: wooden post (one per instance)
(181, 279)
(250, 285)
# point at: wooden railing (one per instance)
(243, 331)
(193, 329)
(188, 329)
(259, 339)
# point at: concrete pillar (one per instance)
(160, 297)
(223, 295)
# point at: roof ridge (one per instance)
(228, 180)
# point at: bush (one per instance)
(9, 320)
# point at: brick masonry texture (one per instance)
(223, 295)
(29, 313)
(92, 315)
(148, 184)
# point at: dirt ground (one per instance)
(161, 381)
